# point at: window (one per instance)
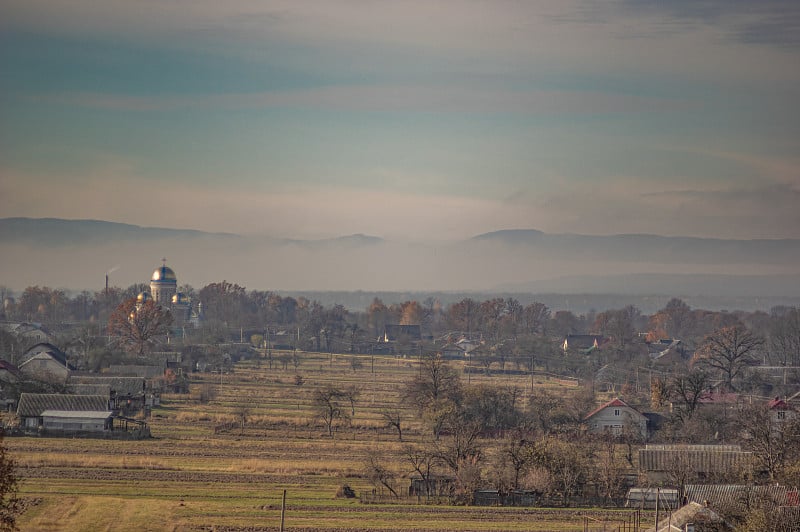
(616, 412)
(781, 414)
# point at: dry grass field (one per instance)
(193, 476)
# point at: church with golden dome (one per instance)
(164, 285)
(164, 292)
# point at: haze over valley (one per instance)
(76, 255)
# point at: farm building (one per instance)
(432, 486)
(705, 461)
(395, 333)
(645, 498)
(742, 495)
(453, 352)
(32, 406)
(86, 415)
(81, 421)
(147, 372)
(126, 394)
(583, 343)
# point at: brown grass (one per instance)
(237, 475)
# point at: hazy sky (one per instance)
(404, 119)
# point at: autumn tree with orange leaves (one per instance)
(137, 326)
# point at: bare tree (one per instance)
(679, 470)
(512, 462)
(327, 403)
(537, 318)
(460, 444)
(608, 472)
(775, 442)
(688, 390)
(379, 475)
(618, 324)
(784, 337)
(242, 413)
(434, 390)
(673, 321)
(352, 393)
(567, 464)
(423, 460)
(394, 418)
(729, 351)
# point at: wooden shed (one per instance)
(67, 421)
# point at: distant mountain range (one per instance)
(55, 231)
(76, 254)
(651, 248)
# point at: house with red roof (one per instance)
(780, 411)
(616, 417)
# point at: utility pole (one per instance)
(533, 364)
(283, 510)
(658, 496)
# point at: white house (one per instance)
(616, 417)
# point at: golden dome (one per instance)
(164, 273)
(179, 299)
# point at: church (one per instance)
(164, 293)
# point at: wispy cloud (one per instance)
(630, 205)
(767, 22)
(385, 98)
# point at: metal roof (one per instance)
(120, 385)
(33, 404)
(100, 414)
(737, 495)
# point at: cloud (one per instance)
(467, 36)
(769, 22)
(631, 205)
(384, 98)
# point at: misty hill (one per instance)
(55, 231)
(76, 254)
(649, 248)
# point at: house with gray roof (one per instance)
(583, 343)
(45, 362)
(32, 407)
(28, 332)
(148, 372)
(394, 333)
(126, 394)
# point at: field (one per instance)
(203, 470)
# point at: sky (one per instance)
(411, 120)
